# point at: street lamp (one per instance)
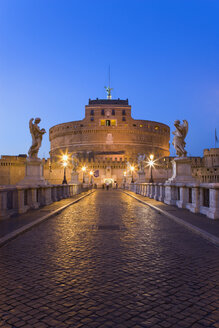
(132, 168)
(124, 173)
(83, 170)
(91, 177)
(65, 163)
(124, 179)
(151, 164)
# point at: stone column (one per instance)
(20, 195)
(47, 195)
(170, 194)
(148, 190)
(152, 186)
(213, 212)
(182, 202)
(3, 203)
(144, 190)
(33, 198)
(194, 206)
(162, 193)
(156, 191)
(54, 194)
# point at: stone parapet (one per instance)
(19, 199)
(196, 197)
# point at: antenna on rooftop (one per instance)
(109, 76)
(108, 89)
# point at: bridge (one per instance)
(105, 259)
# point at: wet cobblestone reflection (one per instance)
(109, 261)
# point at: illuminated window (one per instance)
(156, 128)
(113, 122)
(141, 126)
(102, 122)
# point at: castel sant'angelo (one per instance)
(107, 139)
(107, 142)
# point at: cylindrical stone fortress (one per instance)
(108, 132)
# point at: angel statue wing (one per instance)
(31, 125)
(185, 128)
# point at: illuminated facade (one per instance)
(108, 137)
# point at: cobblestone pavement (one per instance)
(15, 222)
(109, 261)
(199, 220)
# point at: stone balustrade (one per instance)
(196, 197)
(19, 199)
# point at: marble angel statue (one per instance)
(141, 158)
(37, 135)
(179, 137)
(75, 162)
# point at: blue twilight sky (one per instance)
(54, 56)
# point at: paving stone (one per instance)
(146, 272)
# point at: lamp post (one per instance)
(124, 173)
(151, 163)
(124, 179)
(91, 177)
(83, 170)
(65, 163)
(132, 168)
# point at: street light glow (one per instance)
(65, 158)
(151, 157)
(132, 168)
(65, 164)
(124, 173)
(91, 172)
(84, 168)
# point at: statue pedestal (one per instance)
(182, 171)
(34, 173)
(74, 178)
(141, 177)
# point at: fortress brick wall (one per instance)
(109, 131)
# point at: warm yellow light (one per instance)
(124, 174)
(84, 168)
(132, 168)
(151, 157)
(65, 164)
(65, 157)
(91, 172)
(151, 163)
